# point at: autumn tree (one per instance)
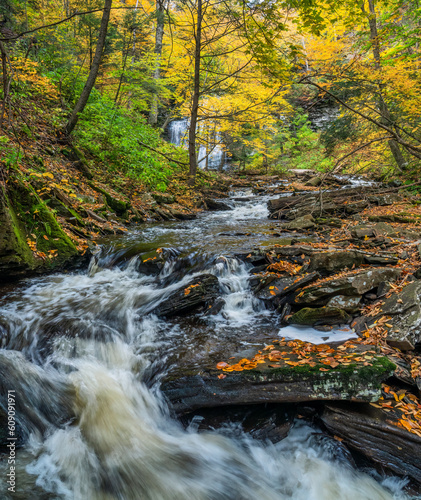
(90, 82)
(356, 61)
(159, 35)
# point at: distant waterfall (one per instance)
(216, 157)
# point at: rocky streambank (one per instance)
(337, 297)
(355, 273)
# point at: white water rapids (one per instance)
(80, 349)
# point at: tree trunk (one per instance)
(159, 35)
(196, 94)
(384, 110)
(90, 82)
(5, 82)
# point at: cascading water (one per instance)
(94, 423)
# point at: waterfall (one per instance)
(216, 157)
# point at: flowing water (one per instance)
(85, 356)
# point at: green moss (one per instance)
(381, 366)
(118, 206)
(21, 248)
(320, 315)
(32, 216)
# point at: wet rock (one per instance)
(179, 214)
(351, 285)
(272, 422)
(216, 307)
(319, 316)
(191, 388)
(332, 262)
(200, 292)
(213, 204)
(34, 412)
(301, 223)
(151, 266)
(405, 311)
(272, 288)
(370, 431)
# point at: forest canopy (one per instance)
(248, 76)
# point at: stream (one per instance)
(86, 356)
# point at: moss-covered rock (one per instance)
(79, 161)
(319, 316)
(189, 389)
(120, 207)
(25, 220)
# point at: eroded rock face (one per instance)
(368, 430)
(405, 310)
(352, 285)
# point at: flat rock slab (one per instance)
(353, 284)
(293, 372)
(373, 433)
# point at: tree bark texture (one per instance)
(159, 35)
(196, 95)
(384, 110)
(90, 82)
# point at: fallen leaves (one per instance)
(298, 353)
(189, 288)
(404, 406)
